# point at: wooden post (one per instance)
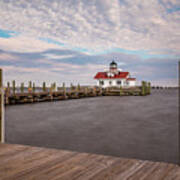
(30, 87)
(179, 113)
(78, 87)
(94, 91)
(100, 91)
(34, 87)
(8, 84)
(149, 88)
(8, 87)
(120, 91)
(22, 88)
(64, 90)
(54, 86)
(51, 88)
(85, 91)
(7, 93)
(51, 91)
(44, 87)
(143, 88)
(72, 90)
(14, 86)
(72, 87)
(1, 108)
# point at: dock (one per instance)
(19, 162)
(64, 94)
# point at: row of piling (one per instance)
(14, 95)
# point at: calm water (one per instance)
(134, 127)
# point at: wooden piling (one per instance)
(72, 87)
(34, 87)
(72, 90)
(8, 87)
(78, 88)
(143, 88)
(1, 108)
(149, 88)
(51, 92)
(120, 91)
(44, 87)
(86, 91)
(14, 86)
(54, 86)
(94, 91)
(22, 88)
(64, 90)
(30, 87)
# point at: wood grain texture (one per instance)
(18, 162)
(1, 105)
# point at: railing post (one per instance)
(2, 130)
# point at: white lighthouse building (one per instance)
(114, 77)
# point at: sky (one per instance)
(70, 41)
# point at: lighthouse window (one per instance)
(101, 82)
(118, 82)
(110, 82)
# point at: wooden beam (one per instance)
(1, 108)
(179, 113)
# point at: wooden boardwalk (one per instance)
(18, 162)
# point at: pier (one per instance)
(12, 96)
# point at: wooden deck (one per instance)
(18, 162)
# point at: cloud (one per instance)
(53, 56)
(33, 66)
(7, 57)
(69, 41)
(25, 44)
(96, 25)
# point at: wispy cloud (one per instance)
(25, 44)
(55, 56)
(97, 25)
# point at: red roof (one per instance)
(131, 79)
(103, 75)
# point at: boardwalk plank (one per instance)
(18, 162)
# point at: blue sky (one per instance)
(69, 41)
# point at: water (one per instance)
(133, 126)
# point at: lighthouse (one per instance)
(114, 77)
